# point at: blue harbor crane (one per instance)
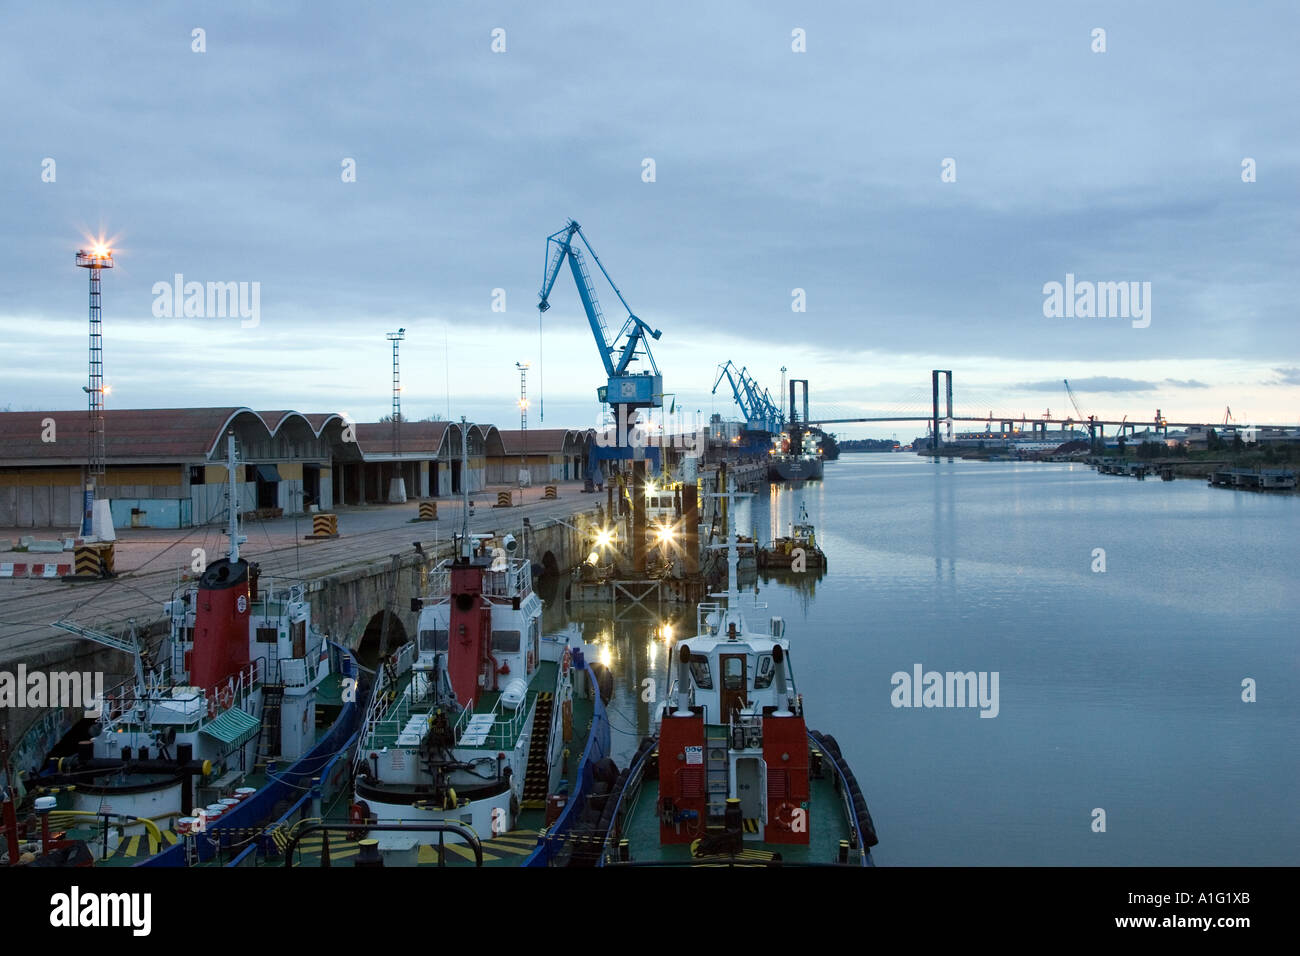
(624, 390)
(762, 417)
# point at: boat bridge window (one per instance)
(766, 671)
(700, 674)
(433, 639)
(733, 673)
(507, 642)
(267, 635)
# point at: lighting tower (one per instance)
(524, 478)
(96, 258)
(397, 486)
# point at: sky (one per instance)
(857, 192)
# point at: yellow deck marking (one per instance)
(498, 847)
(461, 850)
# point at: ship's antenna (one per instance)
(232, 502)
(465, 549)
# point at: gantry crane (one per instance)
(624, 390)
(756, 405)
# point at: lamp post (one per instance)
(397, 485)
(94, 260)
(524, 478)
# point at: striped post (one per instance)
(428, 511)
(551, 492)
(324, 526)
(504, 499)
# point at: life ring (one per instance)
(565, 661)
(531, 661)
(784, 816)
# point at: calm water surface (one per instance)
(1119, 690)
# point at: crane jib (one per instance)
(632, 340)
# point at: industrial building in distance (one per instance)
(165, 467)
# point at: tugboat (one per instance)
(732, 776)
(481, 725)
(782, 553)
(176, 759)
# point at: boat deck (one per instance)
(507, 849)
(827, 823)
(139, 845)
(505, 733)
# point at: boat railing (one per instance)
(514, 580)
(392, 722)
(702, 612)
(237, 692)
(119, 704)
(505, 729)
(302, 671)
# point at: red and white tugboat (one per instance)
(181, 749)
(474, 725)
(733, 776)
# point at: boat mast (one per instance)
(733, 551)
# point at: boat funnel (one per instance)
(782, 690)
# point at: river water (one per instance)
(1118, 690)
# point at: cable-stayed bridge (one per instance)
(937, 406)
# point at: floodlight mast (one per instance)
(94, 260)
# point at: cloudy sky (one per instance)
(773, 170)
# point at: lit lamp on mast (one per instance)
(96, 519)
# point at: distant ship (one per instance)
(794, 467)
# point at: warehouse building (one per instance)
(165, 468)
(552, 454)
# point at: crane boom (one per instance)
(724, 371)
(617, 353)
(1070, 393)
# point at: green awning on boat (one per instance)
(234, 727)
